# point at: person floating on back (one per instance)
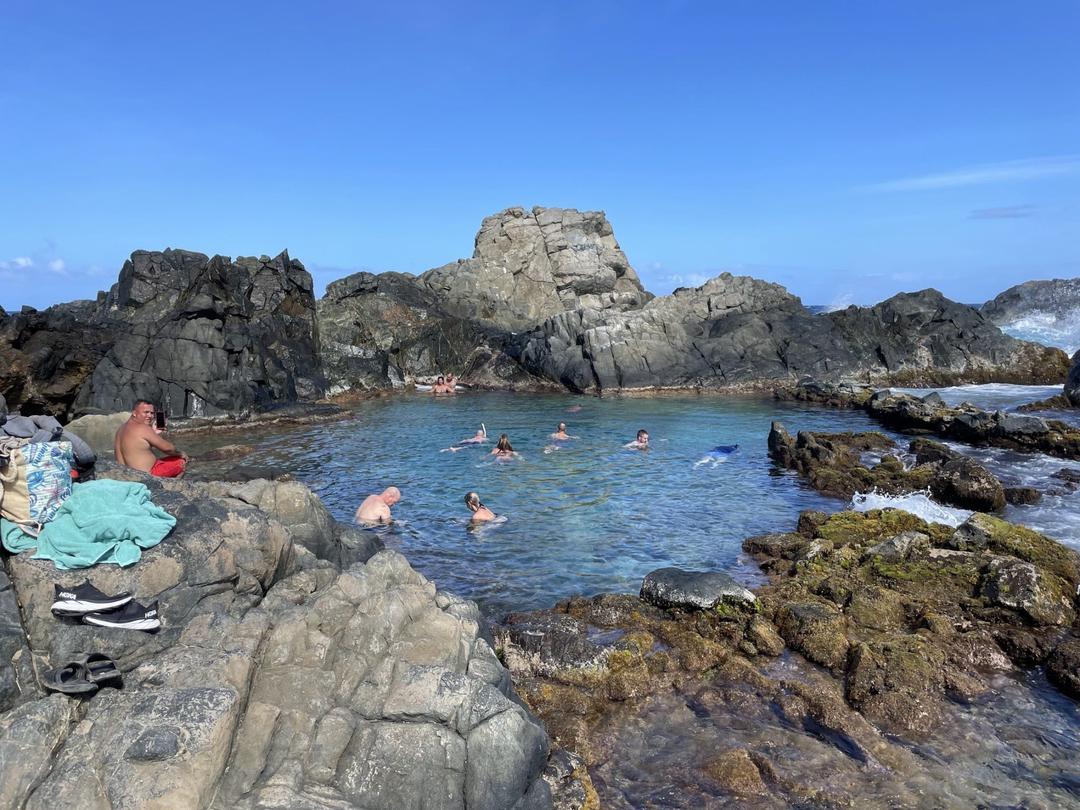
(480, 513)
(479, 438)
(376, 508)
(504, 449)
(138, 438)
(640, 443)
(560, 434)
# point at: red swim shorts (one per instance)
(168, 467)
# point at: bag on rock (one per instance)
(35, 482)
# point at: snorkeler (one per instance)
(504, 449)
(560, 434)
(640, 443)
(480, 513)
(479, 438)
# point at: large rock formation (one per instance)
(1047, 311)
(278, 678)
(735, 331)
(200, 336)
(1072, 384)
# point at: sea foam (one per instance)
(917, 503)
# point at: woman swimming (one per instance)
(480, 512)
(504, 449)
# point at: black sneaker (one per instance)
(131, 616)
(85, 599)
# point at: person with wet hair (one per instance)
(640, 443)
(504, 449)
(480, 513)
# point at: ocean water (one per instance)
(588, 516)
(1048, 329)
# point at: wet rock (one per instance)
(833, 395)
(967, 484)
(16, 671)
(1068, 475)
(1063, 667)
(764, 637)
(899, 684)
(1022, 496)
(693, 590)
(99, 430)
(1022, 587)
(736, 773)
(927, 451)
(816, 629)
(901, 547)
(1072, 383)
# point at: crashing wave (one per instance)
(1050, 329)
(917, 503)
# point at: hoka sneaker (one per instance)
(131, 616)
(85, 598)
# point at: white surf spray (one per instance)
(917, 503)
(1047, 328)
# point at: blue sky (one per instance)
(847, 150)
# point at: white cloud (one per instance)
(22, 262)
(1004, 172)
(57, 265)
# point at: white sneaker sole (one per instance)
(77, 606)
(138, 624)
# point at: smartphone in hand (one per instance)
(159, 419)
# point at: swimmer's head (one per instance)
(643, 437)
(504, 444)
(391, 495)
(561, 428)
(472, 500)
(440, 381)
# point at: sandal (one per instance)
(101, 669)
(71, 679)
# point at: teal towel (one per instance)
(102, 522)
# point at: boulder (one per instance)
(694, 590)
(1022, 587)
(1063, 667)
(99, 430)
(1022, 496)
(966, 483)
(905, 546)
(277, 679)
(1072, 383)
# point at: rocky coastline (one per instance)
(547, 302)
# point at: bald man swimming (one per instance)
(376, 508)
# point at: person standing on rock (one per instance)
(137, 439)
(376, 508)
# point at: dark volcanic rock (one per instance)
(1072, 384)
(1022, 495)
(207, 336)
(967, 484)
(199, 336)
(693, 590)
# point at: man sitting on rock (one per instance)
(137, 439)
(376, 508)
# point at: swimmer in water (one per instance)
(480, 513)
(376, 508)
(479, 438)
(504, 449)
(573, 409)
(640, 443)
(560, 434)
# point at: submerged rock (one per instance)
(967, 484)
(1072, 383)
(693, 590)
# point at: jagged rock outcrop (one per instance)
(737, 331)
(201, 336)
(278, 679)
(1044, 310)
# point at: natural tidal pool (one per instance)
(587, 516)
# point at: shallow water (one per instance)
(591, 516)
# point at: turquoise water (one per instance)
(584, 518)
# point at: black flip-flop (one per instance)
(100, 669)
(71, 679)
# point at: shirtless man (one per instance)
(640, 443)
(560, 434)
(137, 439)
(376, 508)
(480, 513)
